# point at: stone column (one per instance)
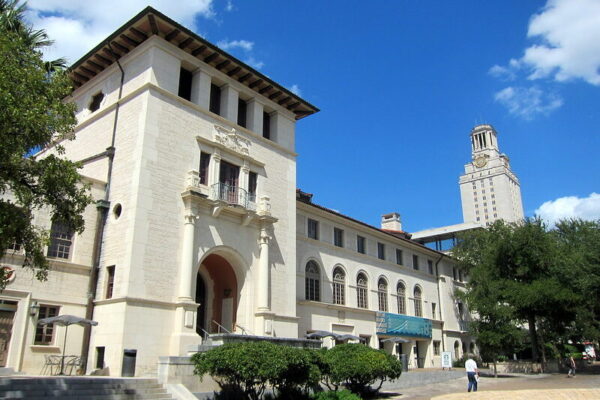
(254, 120)
(214, 171)
(201, 89)
(263, 270)
(229, 103)
(187, 258)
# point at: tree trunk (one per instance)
(495, 370)
(533, 337)
(544, 361)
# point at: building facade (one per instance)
(199, 229)
(489, 189)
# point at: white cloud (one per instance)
(229, 6)
(567, 43)
(77, 26)
(508, 73)
(528, 102)
(254, 63)
(245, 45)
(587, 208)
(296, 90)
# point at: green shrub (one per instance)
(357, 367)
(244, 369)
(333, 395)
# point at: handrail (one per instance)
(220, 326)
(206, 334)
(244, 330)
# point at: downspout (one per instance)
(440, 300)
(102, 206)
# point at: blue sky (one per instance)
(400, 84)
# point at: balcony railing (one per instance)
(463, 325)
(233, 195)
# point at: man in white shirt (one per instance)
(472, 374)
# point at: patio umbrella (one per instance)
(66, 321)
(321, 335)
(347, 337)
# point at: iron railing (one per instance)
(233, 195)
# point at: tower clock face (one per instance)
(480, 162)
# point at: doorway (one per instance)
(218, 296)
(7, 316)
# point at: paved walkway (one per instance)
(514, 386)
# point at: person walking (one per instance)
(572, 367)
(472, 374)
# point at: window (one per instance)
(360, 244)
(339, 283)
(215, 99)
(338, 237)
(313, 229)
(456, 350)
(361, 291)
(312, 282)
(241, 117)
(430, 266)
(381, 251)
(266, 125)
(415, 262)
(418, 305)
(61, 239)
(436, 347)
(110, 281)
(44, 334)
(252, 181)
(96, 101)
(433, 310)
(401, 291)
(399, 257)
(461, 310)
(454, 273)
(100, 357)
(185, 84)
(382, 294)
(204, 163)
(460, 277)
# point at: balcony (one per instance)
(403, 325)
(463, 325)
(233, 196)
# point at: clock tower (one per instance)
(489, 189)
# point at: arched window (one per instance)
(312, 282)
(339, 284)
(361, 291)
(456, 350)
(382, 294)
(418, 306)
(401, 291)
(472, 348)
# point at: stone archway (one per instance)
(218, 295)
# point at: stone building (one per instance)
(199, 229)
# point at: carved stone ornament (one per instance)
(230, 139)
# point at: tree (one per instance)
(517, 273)
(33, 116)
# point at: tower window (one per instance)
(266, 125)
(360, 244)
(313, 229)
(241, 117)
(96, 101)
(215, 99)
(204, 163)
(185, 84)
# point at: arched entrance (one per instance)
(217, 294)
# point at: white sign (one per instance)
(446, 359)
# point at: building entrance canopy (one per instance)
(403, 325)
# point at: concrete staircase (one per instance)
(81, 388)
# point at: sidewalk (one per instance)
(513, 386)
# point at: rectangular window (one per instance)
(185, 84)
(436, 347)
(381, 251)
(338, 237)
(215, 99)
(241, 117)
(454, 273)
(415, 262)
(399, 257)
(266, 125)
(460, 277)
(44, 334)
(204, 163)
(110, 281)
(61, 239)
(430, 266)
(252, 181)
(433, 311)
(360, 244)
(313, 229)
